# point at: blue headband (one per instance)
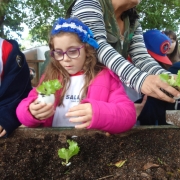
(75, 26)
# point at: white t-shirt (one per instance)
(132, 94)
(71, 98)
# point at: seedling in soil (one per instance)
(68, 153)
(160, 161)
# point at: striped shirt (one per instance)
(90, 12)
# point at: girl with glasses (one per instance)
(92, 96)
(173, 53)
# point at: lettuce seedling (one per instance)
(171, 80)
(49, 87)
(68, 153)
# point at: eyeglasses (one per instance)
(71, 53)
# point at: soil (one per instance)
(148, 154)
(173, 117)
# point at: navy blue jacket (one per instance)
(175, 68)
(15, 86)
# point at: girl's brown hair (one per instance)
(175, 55)
(91, 68)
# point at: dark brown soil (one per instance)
(150, 154)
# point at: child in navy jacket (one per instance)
(15, 84)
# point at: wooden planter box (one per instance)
(145, 152)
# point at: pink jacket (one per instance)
(113, 111)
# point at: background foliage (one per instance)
(39, 15)
(160, 14)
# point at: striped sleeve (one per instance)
(90, 12)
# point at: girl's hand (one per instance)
(2, 131)
(41, 111)
(83, 113)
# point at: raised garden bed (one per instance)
(147, 153)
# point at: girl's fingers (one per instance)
(79, 119)
(38, 106)
(80, 110)
(1, 129)
(35, 107)
(80, 113)
(76, 113)
(85, 120)
(81, 107)
(45, 114)
(3, 133)
(45, 110)
(84, 125)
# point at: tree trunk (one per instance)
(1, 26)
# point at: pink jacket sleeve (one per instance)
(116, 115)
(23, 113)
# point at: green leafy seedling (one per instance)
(68, 153)
(49, 87)
(171, 80)
(160, 161)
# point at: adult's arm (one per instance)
(90, 12)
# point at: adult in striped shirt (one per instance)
(115, 27)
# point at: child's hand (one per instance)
(139, 107)
(2, 131)
(83, 113)
(41, 111)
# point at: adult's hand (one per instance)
(151, 87)
(2, 131)
(82, 113)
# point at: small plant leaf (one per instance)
(64, 153)
(73, 147)
(160, 161)
(68, 153)
(49, 87)
(171, 80)
(40, 89)
(57, 85)
(120, 163)
(164, 77)
(178, 79)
